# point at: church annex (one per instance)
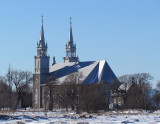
(93, 71)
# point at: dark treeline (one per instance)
(15, 89)
(74, 95)
(132, 91)
(137, 92)
(128, 92)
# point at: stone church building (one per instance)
(93, 71)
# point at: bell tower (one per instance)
(41, 69)
(70, 48)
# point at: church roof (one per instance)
(93, 71)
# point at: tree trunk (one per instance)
(18, 100)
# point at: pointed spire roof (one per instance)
(70, 40)
(42, 40)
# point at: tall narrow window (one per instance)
(36, 96)
(38, 64)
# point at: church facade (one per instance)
(93, 71)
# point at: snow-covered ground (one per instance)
(59, 117)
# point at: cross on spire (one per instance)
(70, 20)
(42, 18)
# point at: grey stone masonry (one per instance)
(41, 69)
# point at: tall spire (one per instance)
(70, 40)
(42, 46)
(70, 48)
(42, 40)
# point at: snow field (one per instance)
(59, 117)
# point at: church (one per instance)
(93, 71)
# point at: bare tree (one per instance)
(73, 82)
(49, 92)
(67, 94)
(92, 97)
(156, 99)
(26, 100)
(158, 85)
(4, 96)
(19, 81)
(136, 90)
(62, 96)
(80, 97)
(156, 96)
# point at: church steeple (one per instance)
(70, 40)
(42, 46)
(70, 48)
(42, 40)
(41, 69)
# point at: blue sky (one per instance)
(124, 32)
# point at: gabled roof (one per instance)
(93, 71)
(125, 86)
(102, 72)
